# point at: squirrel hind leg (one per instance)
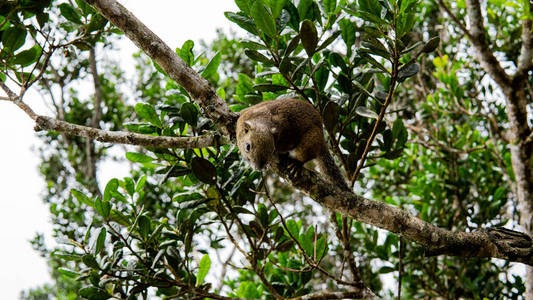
(311, 146)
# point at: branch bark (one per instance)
(130, 138)
(198, 87)
(95, 120)
(493, 242)
(324, 295)
(478, 38)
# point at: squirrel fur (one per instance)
(285, 126)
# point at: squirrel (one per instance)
(285, 126)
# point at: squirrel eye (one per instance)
(245, 130)
(247, 147)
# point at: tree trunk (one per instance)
(521, 149)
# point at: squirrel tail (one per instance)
(331, 171)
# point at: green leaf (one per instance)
(68, 273)
(374, 62)
(386, 269)
(292, 45)
(263, 18)
(330, 115)
(366, 112)
(144, 223)
(309, 37)
(244, 5)
(307, 241)
(81, 197)
(102, 207)
(98, 22)
(397, 128)
(337, 60)
(321, 247)
(158, 68)
(186, 52)
(242, 21)
(294, 22)
(255, 55)
(267, 87)
(203, 269)
(129, 186)
(141, 128)
(431, 45)
(347, 32)
(285, 246)
(5, 24)
(212, 66)
(94, 293)
(375, 47)
(120, 218)
(277, 6)
(140, 183)
(204, 170)
(344, 83)
(147, 112)
(138, 157)
(329, 5)
(90, 261)
(189, 113)
(322, 76)
(100, 241)
(27, 57)
(329, 40)
(13, 38)
(305, 9)
(408, 71)
(86, 9)
(293, 228)
(70, 13)
(110, 188)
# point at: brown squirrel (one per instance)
(285, 126)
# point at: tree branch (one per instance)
(478, 38)
(525, 60)
(198, 87)
(17, 100)
(335, 295)
(98, 97)
(130, 138)
(507, 244)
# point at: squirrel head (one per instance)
(256, 143)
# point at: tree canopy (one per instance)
(425, 109)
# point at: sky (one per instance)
(22, 212)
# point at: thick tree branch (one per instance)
(525, 60)
(130, 138)
(17, 100)
(325, 295)
(98, 97)
(198, 87)
(95, 120)
(507, 244)
(478, 38)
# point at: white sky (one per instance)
(22, 212)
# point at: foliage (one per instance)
(411, 120)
